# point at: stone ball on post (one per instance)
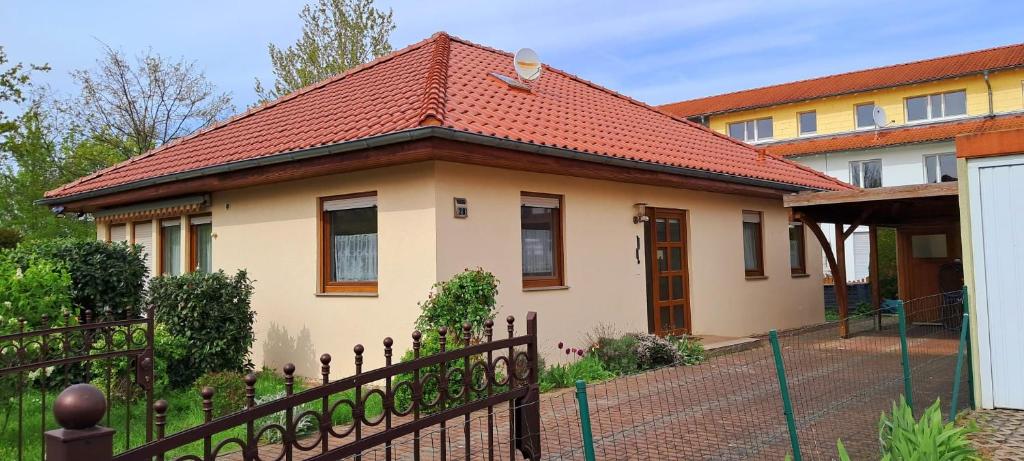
(80, 406)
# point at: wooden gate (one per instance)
(488, 380)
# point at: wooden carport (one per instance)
(905, 208)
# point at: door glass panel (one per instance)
(677, 287)
(674, 232)
(659, 225)
(663, 288)
(678, 317)
(676, 259)
(662, 264)
(666, 318)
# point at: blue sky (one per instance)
(657, 52)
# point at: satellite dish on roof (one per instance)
(527, 64)
(878, 116)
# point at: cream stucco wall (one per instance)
(271, 231)
(605, 283)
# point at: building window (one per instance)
(753, 246)
(866, 173)
(865, 115)
(170, 247)
(349, 243)
(808, 122)
(752, 130)
(201, 244)
(797, 261)
(117, 233)
(940, 168)
(142, 232)
(541, 225)
(936, 106)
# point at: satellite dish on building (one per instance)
(527, 64)
(878, 115)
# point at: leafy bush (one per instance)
(617, 355)
(691, 351)
(905, 439)
(653, 351)
(466, 297)
(430, 345)
(589, 369)
(228, 391)
(9, 238)
(40, 288)
(211, 313)
(303, 427)
(103, 275)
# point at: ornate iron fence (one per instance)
(34, 364)
(450, 395)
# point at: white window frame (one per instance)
(938, 165)
(756, 138)
(799, 124)
(856, 123)
(928, 107)
(860, 179)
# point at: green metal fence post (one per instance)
(787, 405)
(970, 358)
(959, 368)
(586, 432)
(908, 391)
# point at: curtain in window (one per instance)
(355, 257)
(750, 242)
(171, 246)
(538, 252)
(204, 247)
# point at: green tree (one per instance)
(336, 35)
(14, 82)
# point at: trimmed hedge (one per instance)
(211, 313)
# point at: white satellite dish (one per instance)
(527, 64)
(878, 115)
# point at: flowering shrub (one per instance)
(43, 288)
(618, 355)
(653, 351)
(691, 351)
(466, 297)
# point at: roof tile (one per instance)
(447, 79)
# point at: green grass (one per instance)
(184, 412)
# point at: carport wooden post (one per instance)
(875, 276)
(839, 277)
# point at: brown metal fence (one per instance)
(36, 365)
(474, 401)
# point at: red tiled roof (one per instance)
(853, 82)
(445, 81)
(946, 131)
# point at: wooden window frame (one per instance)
(802, 242)
(325, 285)
(558, 279)
(161, 243)
(193, 242)
(759, 272)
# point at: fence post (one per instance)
(959, 368)
(585, 430)
(908, 391)
(970, 358)
(78, 409)
(787, 405)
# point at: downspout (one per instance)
(988, 84)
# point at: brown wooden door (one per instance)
(670, 293)
(920, 269)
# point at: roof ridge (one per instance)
(251, 111)
(436, 90)
(841, 74)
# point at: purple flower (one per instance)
(560, 345)
(567, 352)
(580, 352)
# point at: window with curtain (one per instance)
(349, 225)
(940, 168)
(753, 257)
(201, 250)
(541, 223)
(797, 264)
(170, 247)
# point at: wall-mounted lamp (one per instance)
(641, 213)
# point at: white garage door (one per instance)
(998, 200)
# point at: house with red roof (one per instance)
(347, 200)
(886, 126)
